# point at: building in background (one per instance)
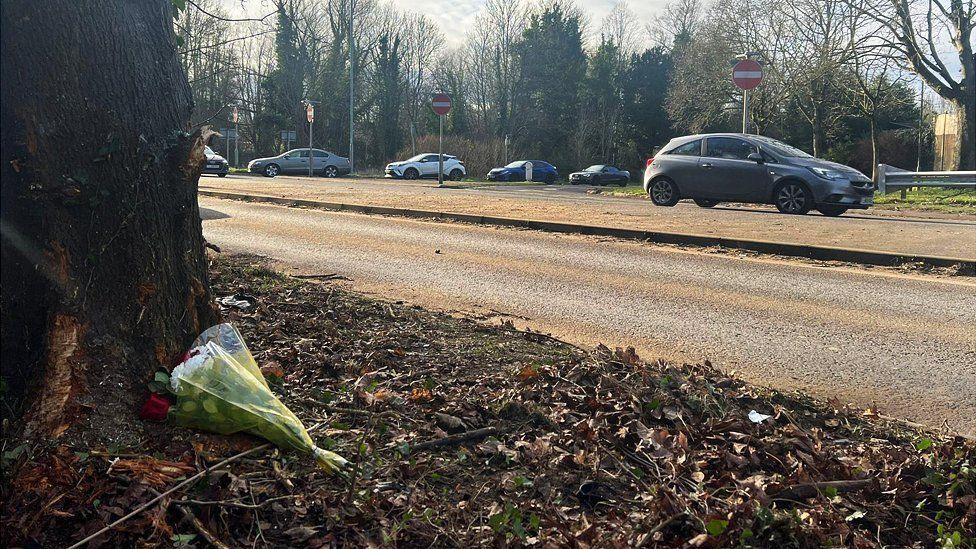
(946, 137)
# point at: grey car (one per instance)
(731, 167)
(296, 161)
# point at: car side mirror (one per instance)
(755, 157)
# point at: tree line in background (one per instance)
(544, 81)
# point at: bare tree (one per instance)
(618, 26)
(677, 23)
(915, 32)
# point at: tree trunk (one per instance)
(104, 276)
(966, 144)
(874, 149)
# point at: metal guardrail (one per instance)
(892, 179)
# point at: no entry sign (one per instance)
(747, 74)
(441, 103)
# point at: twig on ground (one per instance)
(330, 276)
(454, 439)
(197, 524)
(153, 501)
(804, 491)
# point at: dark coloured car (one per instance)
(216, 164)
(600, 174)
(541, 171)
(731, 167)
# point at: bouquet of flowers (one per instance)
(219, 388)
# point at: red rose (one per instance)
(156, 408)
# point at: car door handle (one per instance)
(706, 165)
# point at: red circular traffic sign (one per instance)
(747, 74)
(441, 103)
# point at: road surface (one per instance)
(917, 233)
(903, 342)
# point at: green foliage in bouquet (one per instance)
(220, 388)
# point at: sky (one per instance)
(455, 16)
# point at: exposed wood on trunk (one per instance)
(99, 177)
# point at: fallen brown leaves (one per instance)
(466, 434)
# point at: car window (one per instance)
(430, 158)
(320, 154)
(209, 151)
(299, 154)
(732, 148)
(692, 148)
(782, 149)
(767, 157)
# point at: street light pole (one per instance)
(352, 121)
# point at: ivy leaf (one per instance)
(716, 527)
(923, 444)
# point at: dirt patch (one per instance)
(552, 445)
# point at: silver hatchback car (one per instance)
(731, 167)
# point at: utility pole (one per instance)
(352, 121)
(237, 139)
(506, 150)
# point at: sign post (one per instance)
(441, 103)
(310, 115)
(746, 75)
(236, 140)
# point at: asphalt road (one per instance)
(903, 342)
(918, 233)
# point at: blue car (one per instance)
(541, 171)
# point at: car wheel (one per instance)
(663, 192)
(706, 203)
(550, 179)
(793, 198)
(457, 175)
(831, 211)
(596, 181)
(221, 175)
(622, 183)
(271, 170)
(411, 173)
(330, 171)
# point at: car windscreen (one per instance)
(417, 158)
(781, 148)
(594, 168)
(209, 151)
(516, 164)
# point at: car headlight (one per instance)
(825, 173)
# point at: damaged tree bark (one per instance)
(104, 275)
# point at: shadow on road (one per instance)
(855, 216)
(206, 214)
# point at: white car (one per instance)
(425, 165)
